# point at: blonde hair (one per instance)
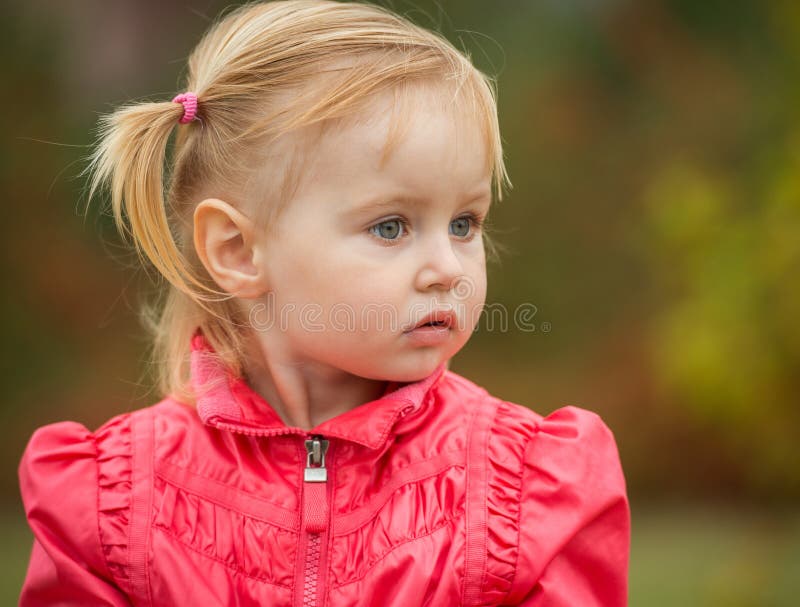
(258, 74)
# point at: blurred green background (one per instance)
(654, 148)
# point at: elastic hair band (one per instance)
(189, 102)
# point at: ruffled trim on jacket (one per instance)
(114, 487)
(505, 452)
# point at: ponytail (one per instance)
(129, 158)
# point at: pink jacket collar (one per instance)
(229, 403)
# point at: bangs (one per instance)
(289, 147)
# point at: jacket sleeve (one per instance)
(59, 487)
(574, 534)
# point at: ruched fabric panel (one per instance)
(247, 546)
(415, 510)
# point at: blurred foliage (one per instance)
(728, 342)
(654, 222)
(654, 148)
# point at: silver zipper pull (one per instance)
(315, 471)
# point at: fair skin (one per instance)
(316, 350)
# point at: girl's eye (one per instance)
(461, 226)
(389, 229)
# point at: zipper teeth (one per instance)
(314, 445)
(312, 570)
(254, 431)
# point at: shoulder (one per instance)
(576, 426)
(65, 455)
(68, 444)
(58, 460)
(61, 475)
(525, 432)
(545, 477)
(77, 484)
(573, 524)
(572, 449)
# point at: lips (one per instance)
(441, 318)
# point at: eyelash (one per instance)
(475, 222)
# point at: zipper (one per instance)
(315, 514)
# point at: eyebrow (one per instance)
(415, 202)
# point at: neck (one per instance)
(304, 393)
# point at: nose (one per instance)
(441, 266)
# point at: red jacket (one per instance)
(435, 494)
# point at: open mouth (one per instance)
(439, 319)
(442, 322)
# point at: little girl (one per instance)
(321, 236)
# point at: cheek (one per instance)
(470, 293)
(362, 279)
(307, 272)
(475, 276)
(353, 302)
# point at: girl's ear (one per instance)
(225, 242)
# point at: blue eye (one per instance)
(462, 226)
(389, 229)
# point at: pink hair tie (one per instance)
(189, 102)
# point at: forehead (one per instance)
(415, 138)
